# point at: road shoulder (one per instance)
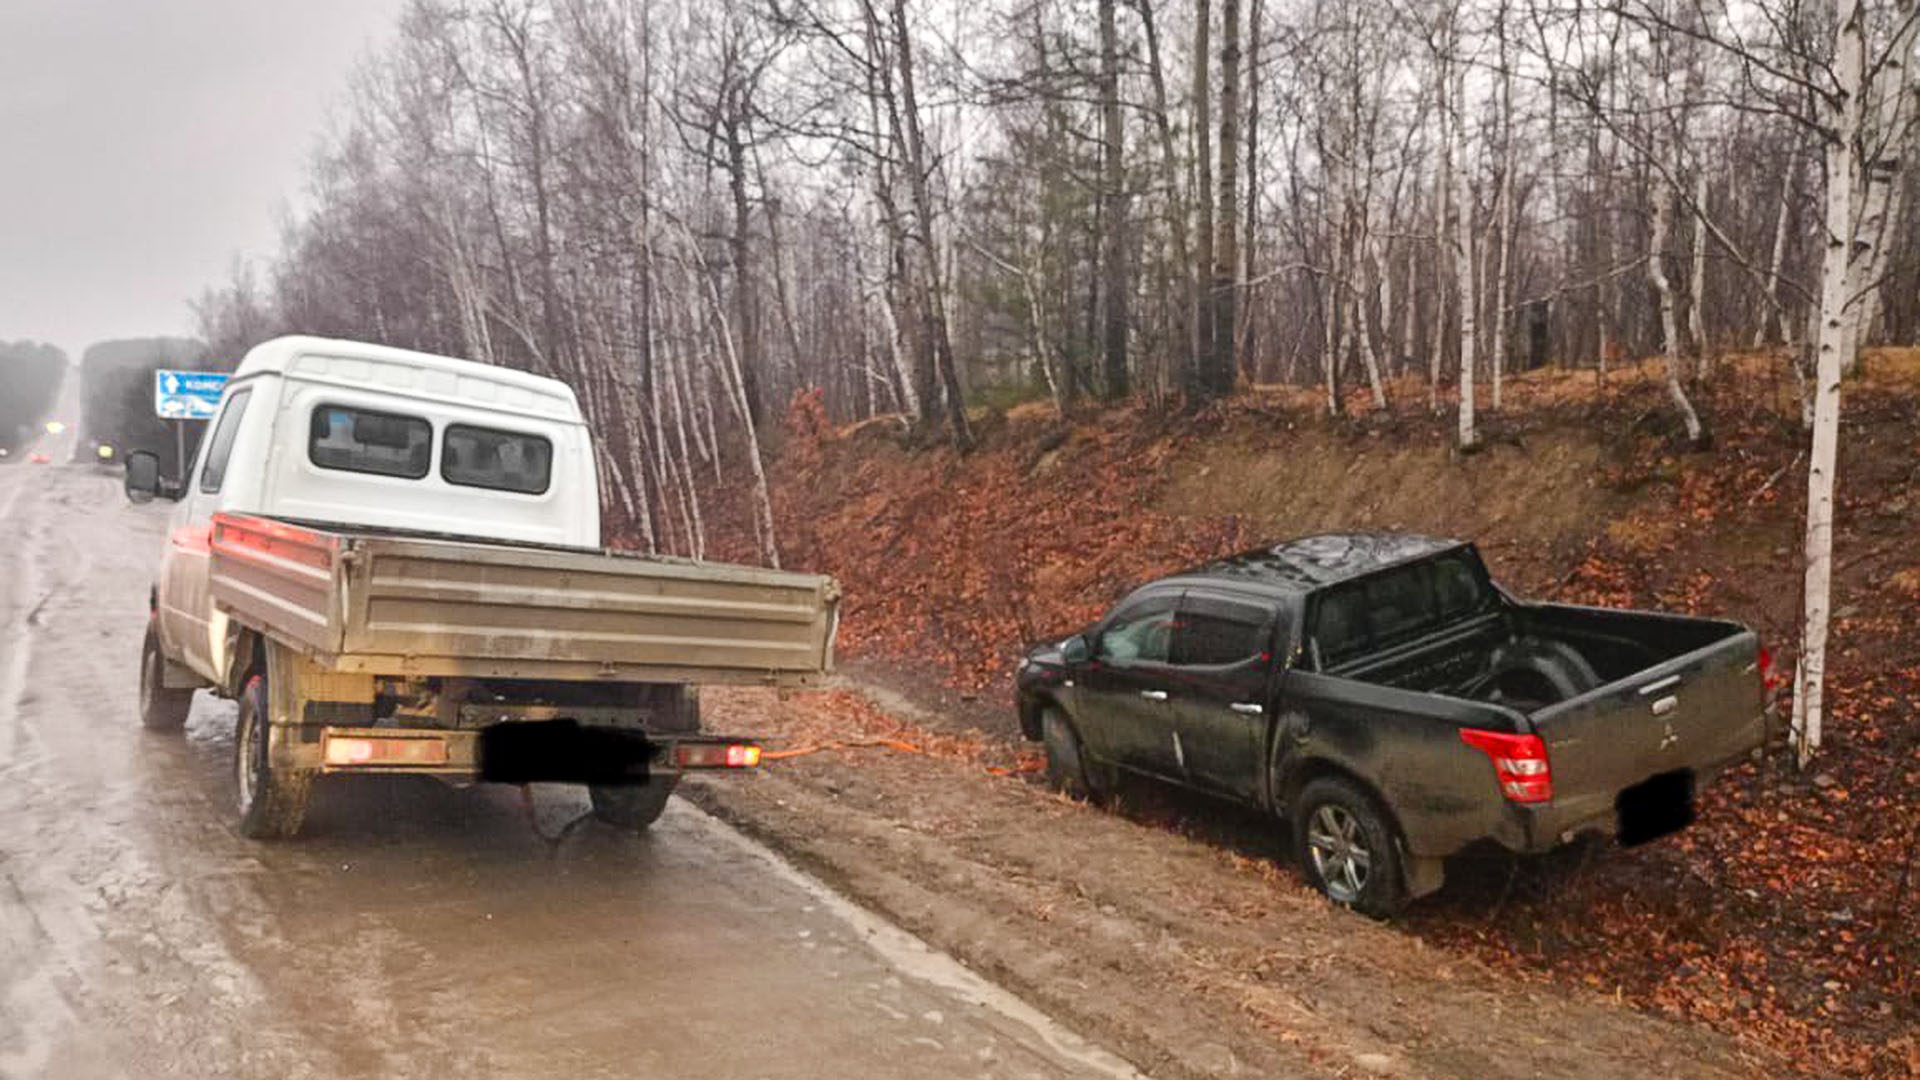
(1188, 957)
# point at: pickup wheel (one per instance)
(1068, 770)
(272, 801)
(1347, 848)
(632, 806)
(161, 708)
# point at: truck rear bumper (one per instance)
(1535, 830)
(520, 752)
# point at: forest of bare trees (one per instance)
(690, 211)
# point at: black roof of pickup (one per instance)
(1314, 562)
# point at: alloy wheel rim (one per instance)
(1339, 851)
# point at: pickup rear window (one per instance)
(1397, 605)
(361, 440)
(501, 460)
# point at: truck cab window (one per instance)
(500, 460)
(361, 440)
(1457, 588)
(1340, 628)
(1398, 605)
(1215, 632)
(213, 472)
(1140, 632)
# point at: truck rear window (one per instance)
(361, 440)
(1397, 605)
(501, 460)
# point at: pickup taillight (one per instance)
(1519, 762)
(1769, 680)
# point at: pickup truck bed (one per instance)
(374, 602)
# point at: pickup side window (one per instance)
(361, 440)
(213, 472)
(1139, 631)
(501, 460)
(1214, 631)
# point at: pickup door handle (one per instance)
(1154, 695)
(1247, 707)
(1655, 687)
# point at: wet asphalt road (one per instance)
(414, 929)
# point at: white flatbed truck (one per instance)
(392, 562)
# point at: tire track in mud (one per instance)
(103, 954)
(37, 985)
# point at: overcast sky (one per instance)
(145, 142)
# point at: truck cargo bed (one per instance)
(392, 603)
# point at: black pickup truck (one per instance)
(1384, 697)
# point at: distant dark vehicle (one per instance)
(1381, 694)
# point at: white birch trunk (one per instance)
(1362, 291)
(1502, 318)
(680, 395)
(734, 383)
(1842, 175)
(1879, 191)
(1463, 265)
(1775, 263)
(1669, 318)
(1443, 200)
(1329, 355)
(1697, 280)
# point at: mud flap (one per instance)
(1424, 876)
(562, 751)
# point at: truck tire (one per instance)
(1068, 770)
(161, 708)
(633, 807)
(1347, 848)
(272, 801)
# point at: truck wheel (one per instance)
(161, 708)
(272, 801)
(631, 806)
(1347, 849)
(1068, 770)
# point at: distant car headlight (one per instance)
(105, 453)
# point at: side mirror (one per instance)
(143, 476)
(1076, 649)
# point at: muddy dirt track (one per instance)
(414, 929)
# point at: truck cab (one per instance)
(345, 433)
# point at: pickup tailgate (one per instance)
(435, 606)
(1697, 711)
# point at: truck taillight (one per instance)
(1519, 762)
(1769, 681)
(716, 755)
(358, 750)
